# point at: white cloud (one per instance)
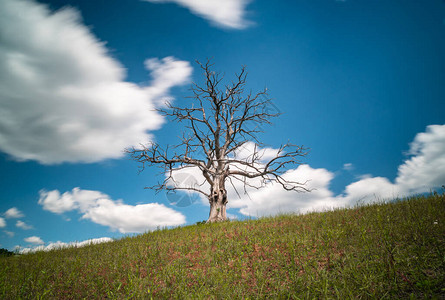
(128, 218)
(76, 199)
(91, 242)
(61, 245)
(13, 213)
(273, 199)
(166, 73)
(424, 170)
(370, 189)
(100, 209)
(420, 173)
(34, 240)
(2, 222)
(23, 225)
(64, 98)
(227, 13)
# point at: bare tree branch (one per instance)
(220, 122)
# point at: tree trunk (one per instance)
(218, 202)
(217, 212)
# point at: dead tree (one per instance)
(219, 123)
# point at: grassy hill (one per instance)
(394, 250)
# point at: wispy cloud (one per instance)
(23, 225)
(12, 213)
(2, 222)
(348, 167)
(101, 209)
(227, 13)
(64, 97)
(9, 233)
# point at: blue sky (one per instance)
(361, 83)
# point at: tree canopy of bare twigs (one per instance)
(221, 120)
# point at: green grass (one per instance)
(393, 251)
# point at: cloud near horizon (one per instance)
(34, 240)
(61, 245)
(64, 97)
(425, 169)
(422, 171)
(100, 209)
(226, 14)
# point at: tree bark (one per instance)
(217, 212)
(218, 202)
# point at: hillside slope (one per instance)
(393, 250)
